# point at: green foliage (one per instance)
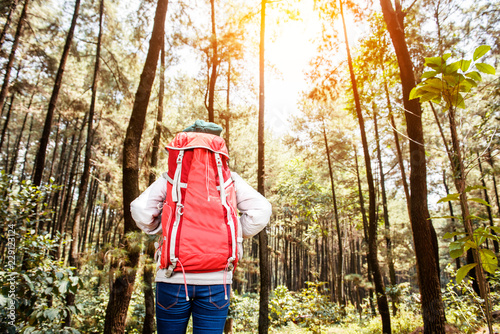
(244, 309)
(464, 309)
(449, 81)
(479, 236)
(283, 307)
(316, 309)
(35, 286)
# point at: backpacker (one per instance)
(199, 221)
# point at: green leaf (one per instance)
(453, 67)
(479, 200)
(434, 82)
(475, 217)
(465, 64)
(451, 79)
(449, 235)
(466, 86)
(434, 62)
(456, 249)
(415, 93)
(463, 271)
(445, 217)
(459, 101)
(428, 97)
(470, 188)
(495, 228)
(485, 68)
(474, 75)
(471, 82)
(29, 282)
(63, 288)
(480, 51)
(470, 244)
(51, 313)
(456, 253)
(429, 74)
(450, 197)
(489, 260)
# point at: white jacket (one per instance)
(255, 212)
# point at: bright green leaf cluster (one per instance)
(450, 81)
(457, 248)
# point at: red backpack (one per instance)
(199, 219)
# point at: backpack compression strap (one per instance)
(230, 221)
(176, 198)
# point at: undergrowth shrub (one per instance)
(464, 308)
(244, 310)
(35, 284)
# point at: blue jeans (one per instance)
(206, 304)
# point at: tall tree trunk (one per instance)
(23, 171)
(487, 199)
(365, 227)
(8, 20)
(388, 241)
(340, 255)
(8, 67)
(397, 144)
(149, 319)
(44, 140)
(215, 64)
(6, 123)
(459, 177)
(17, 144)
(228, 106)
(84, 181)
(383, 306)
(423, 233)
(489, 159)
(263, 253)
(121, 292)
(450, 207)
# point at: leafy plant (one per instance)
(449, 81)
(35, 285)
(463, 307)
(479, 236)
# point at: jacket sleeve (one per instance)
(255, 208)
(146, 209)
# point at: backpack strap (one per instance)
(230, 221)
(176, 198)
(169, 179)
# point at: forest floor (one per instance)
(354, 329)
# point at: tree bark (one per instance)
(215, 64)
(489, 159)
(8, 67)
(263, 252)
(121, 292)
(6, 123)
(340, 255)
(8, 20)
(388, 241)
(149, 318)
(450, 207)
(17, 144)
(423, 233)
(365, 227)
(487, 199)
(84, 181)
(383, 306)
(44, 140)
(398, 145)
